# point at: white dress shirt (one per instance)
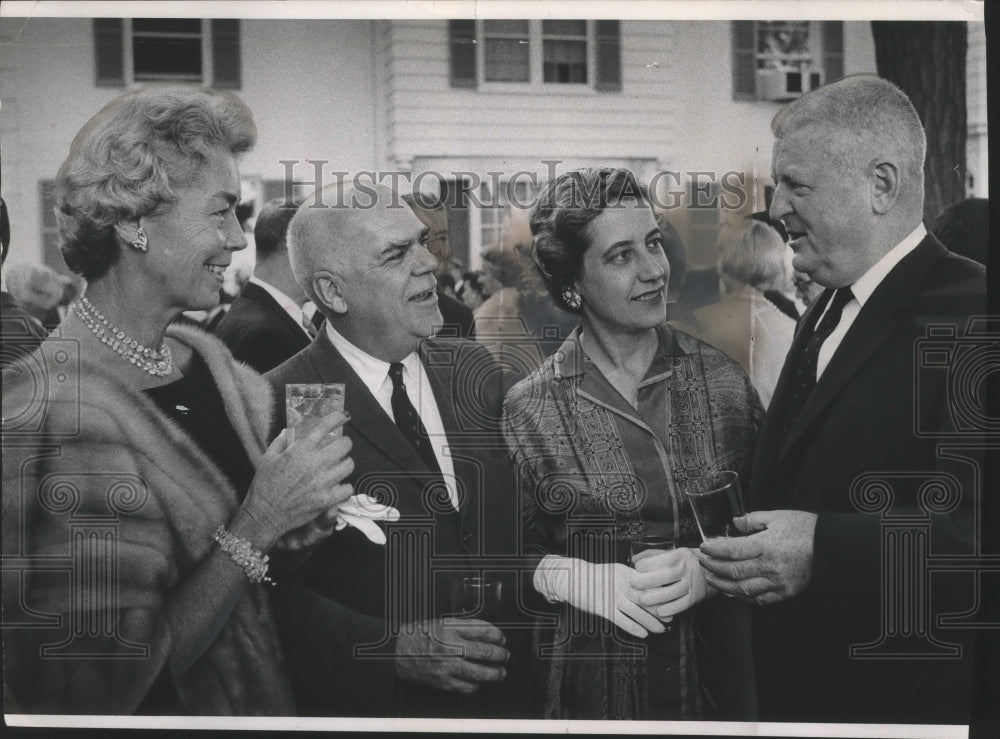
(862, 290)
(287, 304)
(374, 373)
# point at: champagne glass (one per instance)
(716, 500)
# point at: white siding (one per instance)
(307, 81)
(430, 118)
(48, 92)
(385, 115)
(714, 131)
(675, 104)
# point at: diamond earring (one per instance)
(140, 241)
(572, 298)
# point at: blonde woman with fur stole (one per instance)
(139, 492)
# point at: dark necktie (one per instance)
(408, 421)
(804, 379)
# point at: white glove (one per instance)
(605, 590)
(362, 511)
(670, 582)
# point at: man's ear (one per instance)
(885, 186)
(330, 290)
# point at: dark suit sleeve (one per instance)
(319, 637)
(261, 348)
(852, 551)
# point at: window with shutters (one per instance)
(780, 60)
(556, 54)
(137, 50)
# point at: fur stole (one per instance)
(108, 504)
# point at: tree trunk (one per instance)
(927, 61)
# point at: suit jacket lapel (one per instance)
(370, 421)
(873, 326)
(868, 332)
(769, 442)
(441, 376)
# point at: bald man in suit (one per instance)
(425, 417)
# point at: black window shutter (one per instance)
(833, 51)
(609, 55)
(744, 63)
(226, 70)
(108, 52)
(462, 43)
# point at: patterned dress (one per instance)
(591, 471)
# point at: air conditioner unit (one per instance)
(786, 84)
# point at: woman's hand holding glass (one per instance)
(670, 582)
(295, 494)
(605, 590)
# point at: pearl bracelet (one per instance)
(242, 553)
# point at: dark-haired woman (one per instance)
(604, 435)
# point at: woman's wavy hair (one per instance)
(562, 215)
(127, 160)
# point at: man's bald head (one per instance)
(364, 263)
(320, 235)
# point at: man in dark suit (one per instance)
(265, 325)
(426, 442)
(854, 481)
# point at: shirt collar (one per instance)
(569, 359)
(372, 370)
(870, 280)
(287, 304)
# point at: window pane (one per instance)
(160, 58)
(782, 44)
(516, 28)
(506, 60)
(166, 25)
(564, 28)
(565, 61)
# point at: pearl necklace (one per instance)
(158, 362)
